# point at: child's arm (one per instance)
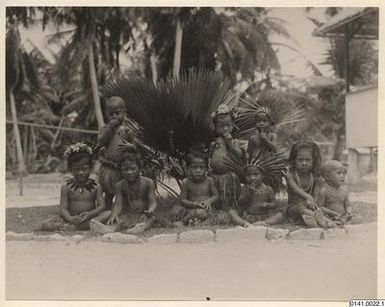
(107, 132)
(244, 196)
(214, 195)
(100, 206)
(151, 197)
(184, 201)
(347, 205)
(233, 146)
(293, 186)
(269, 140)
(118, 206)
(63, 206)
(271, 204)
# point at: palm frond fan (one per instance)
(282, 111)
(173, 115)
(271, 164)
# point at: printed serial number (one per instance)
(361, 303)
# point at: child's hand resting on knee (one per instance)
(113, 219)
(311, 204)
(206, 205)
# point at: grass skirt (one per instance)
(108, 177)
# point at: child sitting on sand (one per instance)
(81, 198)
(227, 183)
(333, 197)
(198, 191)
(111, 136)
(304, 185)
(135, 198)
(258, 199)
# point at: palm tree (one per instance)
(363, 63)
(234, 40)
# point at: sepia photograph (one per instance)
(191, 153)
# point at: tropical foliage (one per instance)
(105, 47)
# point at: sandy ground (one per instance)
(334, 269)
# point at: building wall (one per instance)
(361, 118)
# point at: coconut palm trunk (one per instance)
(16, 131)
(178, 47)
(94, 87)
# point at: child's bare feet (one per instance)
(98, 227)
(309, 220)
(137, 229)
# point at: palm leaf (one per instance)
(175, 114)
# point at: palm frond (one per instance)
(174, 114)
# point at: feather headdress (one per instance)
(279, 110)
(271, 164)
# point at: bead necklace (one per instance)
(335, 192)
(310, 186)
(261, 190)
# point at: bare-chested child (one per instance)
(304, 185)
(333, 197)
(264, 138)
(135, 198)
(81, 198)
(258, 199)
(227, 183)
(198, 191)
(111, 136)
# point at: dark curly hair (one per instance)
(315, 151)
(129, 152)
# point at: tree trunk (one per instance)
(16, 131)
(178, 47)
(94, 87)
(340, 145)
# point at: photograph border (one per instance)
(221, 3)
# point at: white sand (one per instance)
(336, 269)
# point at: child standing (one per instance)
(264, 138)
(81, 198)
(198, 191)
(227, 183)
(135, 198)
(333, 197)
(111, 136)
(304, 184)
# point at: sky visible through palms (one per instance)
(292, 63)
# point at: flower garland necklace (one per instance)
(310, 186)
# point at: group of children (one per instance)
(211, 193)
